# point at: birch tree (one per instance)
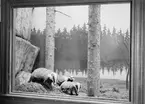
(50, 44)
(93, 80)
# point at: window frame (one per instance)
(6, 53)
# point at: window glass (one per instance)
(52, 50)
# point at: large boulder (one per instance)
(25, 55)
(22, 77)
(23, 22)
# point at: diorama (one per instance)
(77, 50)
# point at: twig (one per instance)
(62, 13)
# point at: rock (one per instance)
(25, 56)
(31, 87)
(23, 24)
(22, 77)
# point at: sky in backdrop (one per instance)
(112, 15)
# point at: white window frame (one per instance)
(7, 53)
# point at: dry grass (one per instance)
(114, 89)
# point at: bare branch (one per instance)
(62, 13)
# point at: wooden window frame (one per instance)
(137, 53)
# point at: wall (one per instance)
(56, 100)
(0, 10)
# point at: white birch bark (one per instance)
(93, 80)
(50, 44)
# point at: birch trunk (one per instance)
(93, 80)
(50, 44)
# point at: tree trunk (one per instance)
(128, 75)
(127, 79)
(50, 44)
(93, 80)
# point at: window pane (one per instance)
(52, 50)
